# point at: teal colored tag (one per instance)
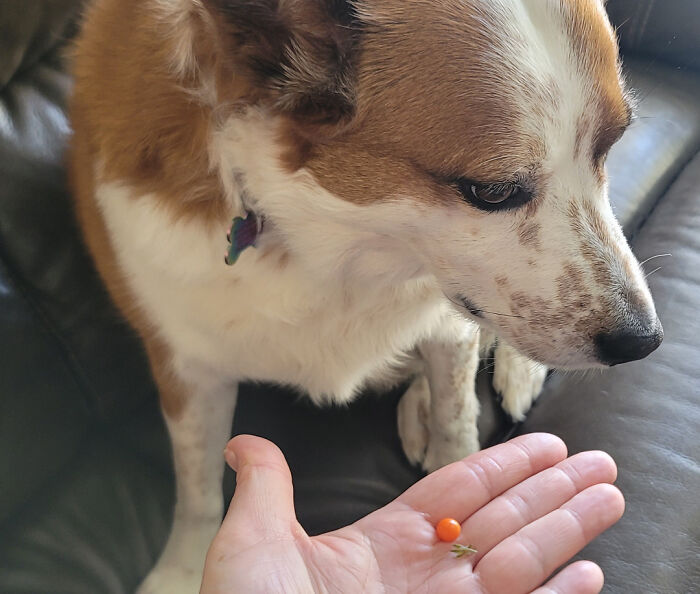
(242, 235)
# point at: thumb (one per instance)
(263, 503)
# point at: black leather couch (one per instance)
(86, 483)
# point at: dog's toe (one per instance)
(442, 452)
(518, 380)
(413, 417)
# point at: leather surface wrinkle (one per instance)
(647, 415)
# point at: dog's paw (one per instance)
(171, 580)
(431, 450)
(179, 569)
(517, 379)
(442, 451)
(413, 418)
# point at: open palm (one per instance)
(523, 505)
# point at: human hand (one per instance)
(524, 505)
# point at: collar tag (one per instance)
(242, 235)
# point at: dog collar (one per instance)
(242, 235)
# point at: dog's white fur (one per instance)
(363, 292)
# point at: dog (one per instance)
(398, 180)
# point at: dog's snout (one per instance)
(629, 344)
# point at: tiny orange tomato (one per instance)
(448, 529)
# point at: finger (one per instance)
(535, 497)
(263, 503)
(458, 490)
(582, 577)
(525, 560)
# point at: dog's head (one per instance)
(465, 139)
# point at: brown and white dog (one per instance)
(426, 170)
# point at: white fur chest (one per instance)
(259, 319)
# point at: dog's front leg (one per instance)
(517, 379)
(438, 413)
(198, 410)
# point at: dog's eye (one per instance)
(498, 196)
(494, 193)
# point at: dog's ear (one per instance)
(297, 54)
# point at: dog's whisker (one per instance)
(495, 313)
(486, 368)
(653, 271)
(492, 313)
(654, 257)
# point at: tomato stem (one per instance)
(463, 550)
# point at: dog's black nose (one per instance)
(623, 346)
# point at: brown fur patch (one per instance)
(596, 47)
(138, 119)
(571, 289)
(355, 174)
(403, 143)
(559, 318)
(529, 235)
